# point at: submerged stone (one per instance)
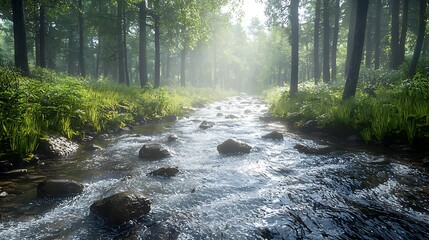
(154, 151)
(233, 146)
(274, 135)
(121, 207)
(206, 125)
(59, 189)
(165, 172)
(313, 150)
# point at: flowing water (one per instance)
(274, 192)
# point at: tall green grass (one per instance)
(51, 102)
(399, 109)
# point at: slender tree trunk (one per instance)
(120, 44)
(368, 35)
(81, 42)
(142, 44)
(377, 34)
(71, 54)
(20, 37)
(353, 6)
(98, 60)
(295, 46)
(404, 30)
(394, 41)
(183, 56)
(125, 33)
(157, 46)
(335, 39)
(420, 39)
(42, 36)
(316, 60)
(168, 65)
(326, 37)
(358, 42)
(37, 46)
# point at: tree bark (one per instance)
(295, 45)
(394, 41)
(142, 44)
(353, 6)
(71, 53)
(356, 55)
(183, 56)
(120, 44)
(326, 37)
(335, 39)
(404, 30)
(420, 39)
(157, 46)
(316, 60)
(81, 61)
(20, 37)
(368, 35)
(125, 33)
(377, 35)
(42, 37)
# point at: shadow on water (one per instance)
(274, 192)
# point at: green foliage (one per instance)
(399, 109)
(57, 103)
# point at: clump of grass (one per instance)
(70, 106)
(399, 109)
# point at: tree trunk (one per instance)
(316, 60)
(404, 30)
(295, 45)
(326, 30)
(420, 39)
(368, 35)
(120, 44)
(81, 62)
(157, 46)
(356, 55)
(42, 36)
(394, 41)
(20, 37)
(353, 6)
(335, 39)
(377, 35)
(125, 33)
(71, 53)
(142, 44)
(183, 55)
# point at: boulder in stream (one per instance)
(274, 135)
(233, 146)
(313, 150)
(13, 173)
(52, 147)
(172, 137)
(121, 207)
(59, 189)
(165, 172)
(154, 151)
(206, 125)
(232, 116)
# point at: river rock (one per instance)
(206, 125)
(161, 231)
(52, 147)
(59, 189)
(219, 115)
(121, 207)
(172, 137)
(313, 150)
(247, 111)
(219, 108)
(154, 151)
(274, 135)
(233, 146)
(309, 126)
(232, 116)
(198, 105)
(13, 173)
(92, 148)
(165, 172)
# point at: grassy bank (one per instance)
(51, 102)
(385, 106)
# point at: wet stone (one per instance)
(59, 189)
(154, 151)
(313, 150)
(121, 207)
(273, 135)
(233, 146)
(172, 137)
(232, 116)
(165, 172)
(13, 173)
(219, 115)
(206, 125)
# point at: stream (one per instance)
(274, 192)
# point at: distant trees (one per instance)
(420, 37)
(294, 5)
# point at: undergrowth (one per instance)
(385, 106)
(51, 102)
